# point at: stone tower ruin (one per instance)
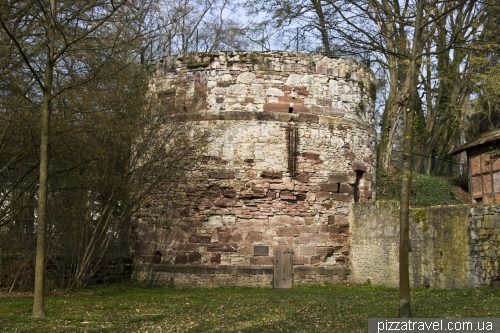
(296, 150)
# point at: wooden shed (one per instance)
(484, 171)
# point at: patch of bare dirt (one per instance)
(459, 192)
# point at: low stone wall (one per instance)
(208, 276)
(451, 246)
(484, 238)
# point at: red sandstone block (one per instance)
(321, 196)
(254, 236)
(338, 178)
(272, 174)
(327, 205)
(349, 156)
(301, 196)
(365, 194)
(200, 239)
(359, 166)
(249, 100)
(310, 156)
(299, 108)
(329, 228)
(336, 238)
(180, 259)
(194, 257)
(300, 261)
(325, 250)
(318, 239)
(215, 259)
(280, 219)
(368, 159)
(222, 247)
(302, 91)
(368, 176)
(312, 229)
(329, 187)
(341, 219)
(224, 236)
(346, 188)
(315, 260)
(236, 237)
(262, 261)
(342, 197)
(305, 251)
(229, 193)
(276, 107)
(288, 99)
(288, 232)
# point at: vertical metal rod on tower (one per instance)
(196, 40)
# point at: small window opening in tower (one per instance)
(290, 109)
(359, 176)
(157, 257)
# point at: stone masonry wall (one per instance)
(246, 201)
(451, 246)
(269, 82)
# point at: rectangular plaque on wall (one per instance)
(260, 250)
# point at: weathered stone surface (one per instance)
(338, 178)
(272, 174)
(243, 194)
(311, 156)
(222, 247)
(288, 232)
(303, 177)
(346, 188)
(222, 174)
(359, 166)
(329, 187)
(200, 239)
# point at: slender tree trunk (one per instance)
(322, 23)
(41, 231)
(404, 235)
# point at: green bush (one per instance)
(424, 190)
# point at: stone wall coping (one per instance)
(273, 116)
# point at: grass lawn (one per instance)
(300, 309)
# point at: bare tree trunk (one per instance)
(404, 225)
(41, 231)
(322, 23)
(404, 235)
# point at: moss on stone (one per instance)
(193, 65)
(419, 214)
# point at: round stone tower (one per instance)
(296, 148)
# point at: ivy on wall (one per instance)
(424, 190)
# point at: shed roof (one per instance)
(481, 139)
